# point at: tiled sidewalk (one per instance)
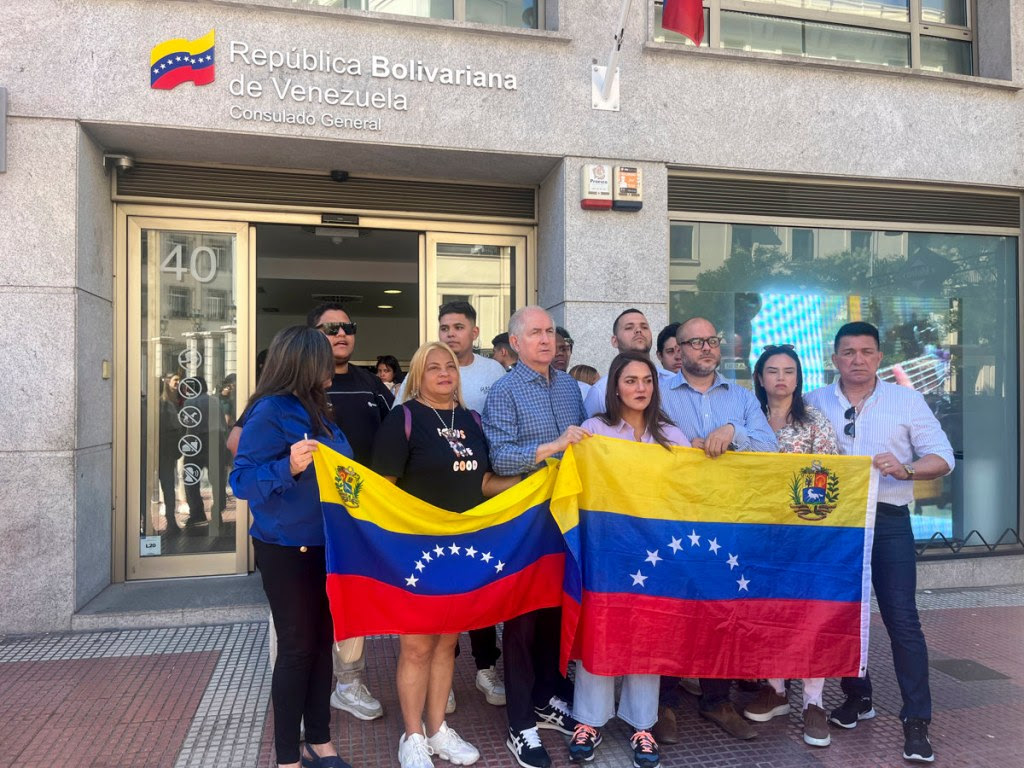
(198, 696)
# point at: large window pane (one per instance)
(946, 307)
(941, 55)
(749, 32)
(944, 12)
(503, 13)
(429, 9)
(896, 10)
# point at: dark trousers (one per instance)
(531, 644)
(714, 691)
(484, 643)
(894, 577)
(295, 584)
(167, 477)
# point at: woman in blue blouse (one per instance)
(286, 418)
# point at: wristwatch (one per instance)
(909, 469)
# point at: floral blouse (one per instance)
(814, 435)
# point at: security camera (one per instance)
(120, 162)
(339, 176)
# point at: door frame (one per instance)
(242, 221)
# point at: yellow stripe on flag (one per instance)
(181, 45)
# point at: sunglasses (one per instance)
(850, 430)
(331, 329)
(698, 342)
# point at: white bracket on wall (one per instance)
(604, 81)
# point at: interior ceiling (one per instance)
(181, 145)
(295, 268)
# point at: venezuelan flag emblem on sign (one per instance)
(177, 61)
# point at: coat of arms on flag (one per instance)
(178, 61)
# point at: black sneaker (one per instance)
(916, 746)
(850, 711)
(645, 750)
(583, 743)
(526, 748)
(556, 716)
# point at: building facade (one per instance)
(181, 180)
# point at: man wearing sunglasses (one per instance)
(716, 415)
(360, 402)
(895, 426)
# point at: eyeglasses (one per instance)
(776, 347)
(850, 430)
(331, 329)
(698, 342)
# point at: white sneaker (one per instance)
(357, 701)
(414, 751)
(449, 706)
(492, 687)
(448, 745)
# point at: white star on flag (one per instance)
(454, 548)
(426, 557)
(733, 561)
(675, 545)
(694, 539)
(439, 550)
(714, 546)
(486, 557)
(743, 584)
(652, 557)
(470, 552)
(411, 581)
(638, 578)
(419, 565)
(498, 568)
(178, 58)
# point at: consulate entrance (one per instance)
(201, 291)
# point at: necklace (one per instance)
(451, 429)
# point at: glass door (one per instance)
(187, 313)
(488, 271)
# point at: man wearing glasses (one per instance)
(893, 424)
(716, 415)
(360, 402)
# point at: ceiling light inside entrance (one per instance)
(385, 306)
(392, 291)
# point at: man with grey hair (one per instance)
(532, 413)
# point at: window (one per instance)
(179, 301)
(934, 35)
(526, 14)
(216, 307)
(945, 305)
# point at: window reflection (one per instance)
(501, 13)
(944, 12)
(941, 55)
(946, 308)
(875, 9)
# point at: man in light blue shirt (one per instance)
(716, 415)
(895, 426)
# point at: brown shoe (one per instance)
(691, 685)
(728, 719)
(766, 705)
(665, 731)
(816, 727)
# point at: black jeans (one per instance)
(295, 584)
(894, 577)
(531, 643)
(484, 643)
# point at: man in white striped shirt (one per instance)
(895, 426)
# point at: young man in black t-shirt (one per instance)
(360, 402)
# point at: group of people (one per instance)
(464, 427)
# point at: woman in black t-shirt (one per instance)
(433, 448)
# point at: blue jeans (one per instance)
(594, 702)
(894, 577)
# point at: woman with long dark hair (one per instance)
(286, 418)
(389, 372)
(632, 412)
(799, 428)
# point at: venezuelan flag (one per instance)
(177, 61)
(746, 566)
(396, 564)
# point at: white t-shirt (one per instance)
(477, 379)
(593, 403)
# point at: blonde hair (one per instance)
(418, 366)
(585, 373)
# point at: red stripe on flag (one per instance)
(685, 17)
(203, 75)
(173, 78)
(746, 639)
(363, 606)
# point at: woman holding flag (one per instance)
(632, 412)
(799, 428)
(433, 448)
(286, 418)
